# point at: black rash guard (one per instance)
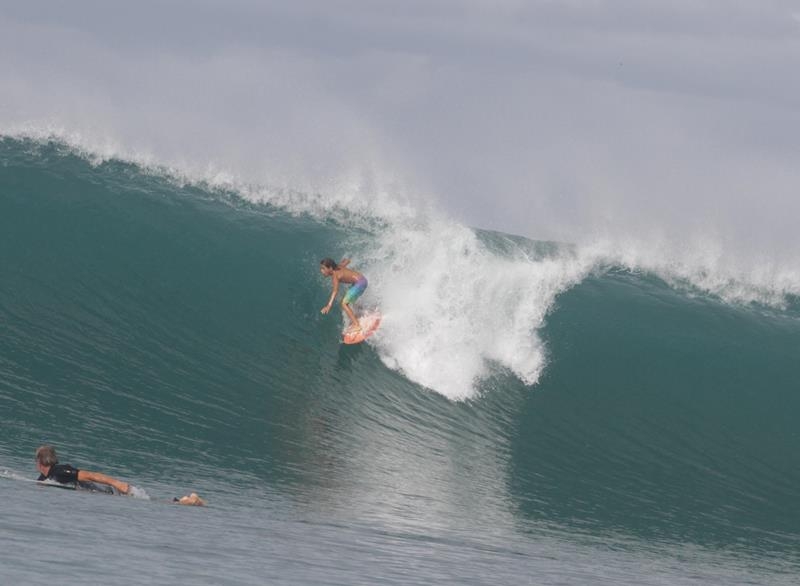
(61, 473)
(68, 476)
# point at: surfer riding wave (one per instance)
(339, 273)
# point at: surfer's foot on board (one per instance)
(354, 329)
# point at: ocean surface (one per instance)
(528, 413)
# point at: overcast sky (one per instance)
(549, 118)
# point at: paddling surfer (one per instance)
(68, 476)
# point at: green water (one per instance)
(170, 335)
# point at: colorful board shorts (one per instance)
(355, 291)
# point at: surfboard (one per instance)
(369, 324)
(84, 486)
(55, 484)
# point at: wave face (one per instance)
(514, 385)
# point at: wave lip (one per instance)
(703, 265)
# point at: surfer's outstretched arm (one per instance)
(89, 476)
(344, 262)
(335, 291)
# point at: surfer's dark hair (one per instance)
(329, 263)
(46, 455)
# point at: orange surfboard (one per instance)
(369, 322)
